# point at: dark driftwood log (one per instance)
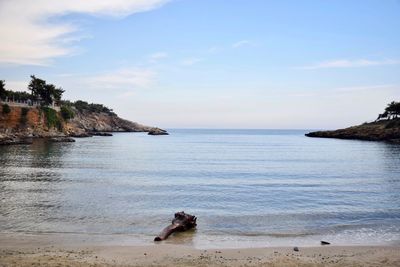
(181, 222)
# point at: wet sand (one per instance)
(26, 252)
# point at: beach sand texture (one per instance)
(177, 255)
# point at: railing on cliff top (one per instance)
(27, 103)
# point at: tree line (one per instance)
(12, 95)
(47, 94)
(90, 107)
(392, 111)
(40, 91)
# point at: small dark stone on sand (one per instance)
(325, 243)
(296, 249)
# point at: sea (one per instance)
(248, 188)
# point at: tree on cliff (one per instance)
(46, 93)
(3, 92)
(392, 111)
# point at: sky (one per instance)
(288, 64)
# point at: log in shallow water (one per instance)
(181, 222)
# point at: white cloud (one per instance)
(242, 43)
(29, 38)
(346, 63)
(190, 61)
(124, 79)
(213, 49)
(126, 95)
(157, 56)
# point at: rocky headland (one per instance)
(20, 124)
(382, 130)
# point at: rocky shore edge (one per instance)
(20, 139)
(20, 125)
(382, 130)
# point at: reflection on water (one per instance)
(29, 176)
(244, 185)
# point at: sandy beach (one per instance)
(17, 251)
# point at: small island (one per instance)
(385, 128)
(43, 113)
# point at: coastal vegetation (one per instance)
(24, 113)
(52, 119)
(47, 94)
(67, 112)
(40, 91)
(92, 107)
(3, 93)
(392, 111)
(6, 109)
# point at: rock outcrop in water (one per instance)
(18, 125)
(383, 130)
(61, 139)
(157, 131)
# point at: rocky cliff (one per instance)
(384, 130)
(17, 123)
(88, 122)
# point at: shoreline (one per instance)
(178, 255)
(18, 251)
(16, 139)
(188, 238)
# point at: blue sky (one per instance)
(211, 63)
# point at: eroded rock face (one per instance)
(84, 124)
(385, 130)
(14, 122)
(103, 122)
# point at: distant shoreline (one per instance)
(383, 130)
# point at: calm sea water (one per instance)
(247, 188)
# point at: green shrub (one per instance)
(24, 112)
(6, 109)
(96, 108)
(67, 112)
(52, 120)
